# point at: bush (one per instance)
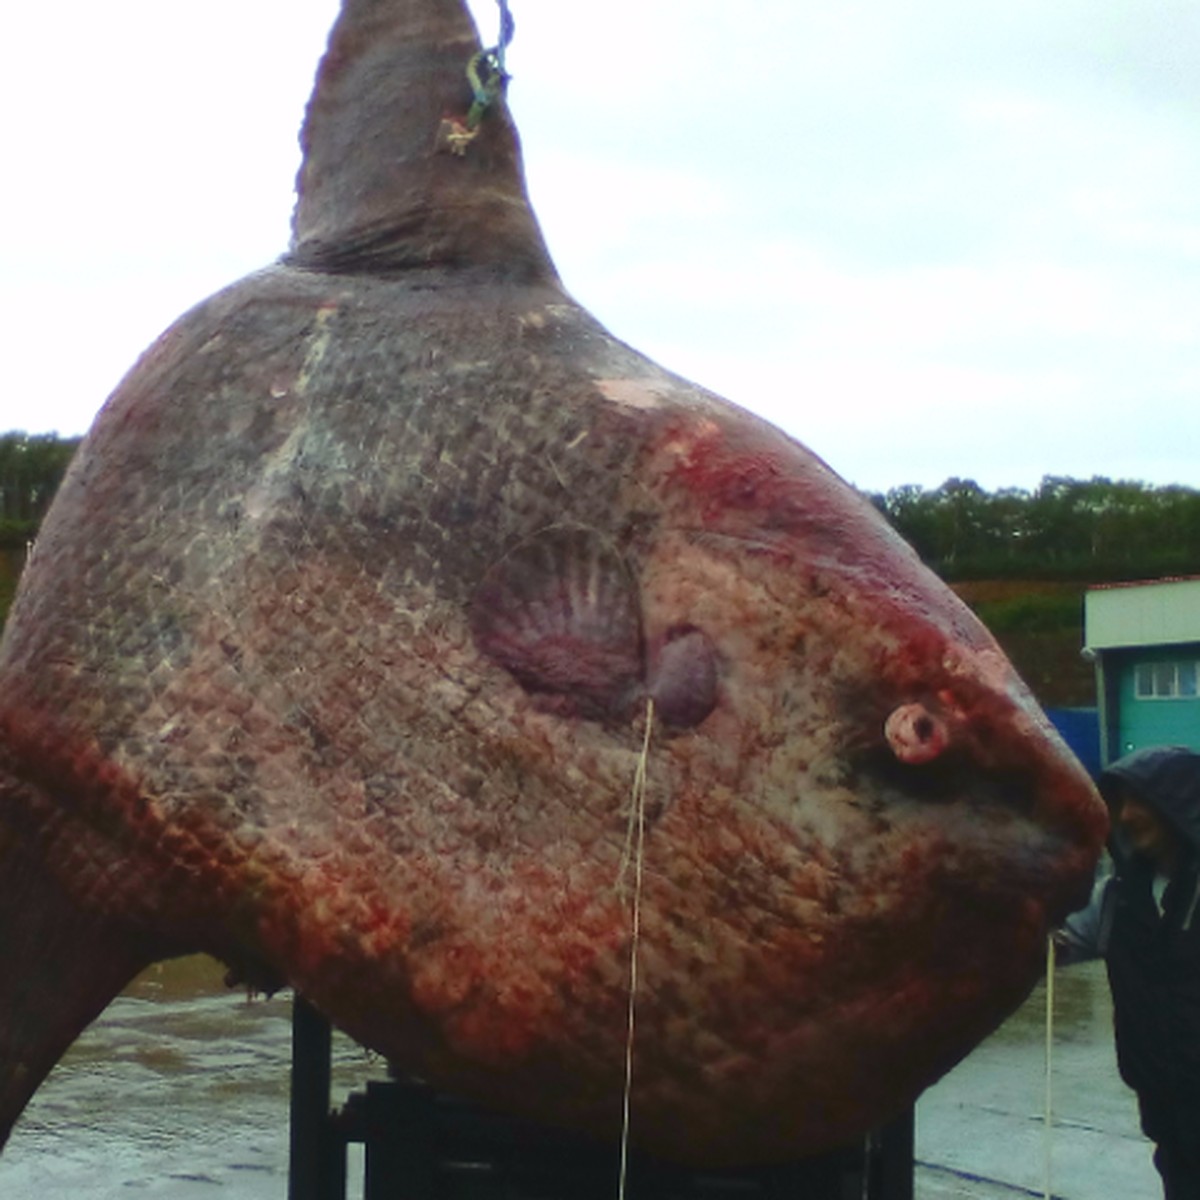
(1033, 613)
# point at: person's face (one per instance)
(1148, 834)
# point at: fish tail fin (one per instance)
(60, 965)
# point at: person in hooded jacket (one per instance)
(1144, 920)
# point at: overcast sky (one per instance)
(928, 238)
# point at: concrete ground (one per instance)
(183, 1096)
(981, 1131)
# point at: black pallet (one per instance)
(422, 1145)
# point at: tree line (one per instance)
(1097, 529)
(31, 468)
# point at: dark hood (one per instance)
(1165, 778)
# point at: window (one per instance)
(1174, 680)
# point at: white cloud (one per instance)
(888, 227)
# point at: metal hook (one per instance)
(487, 76)
(486, 71)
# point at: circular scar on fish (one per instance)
(915, 735)
(562, 614)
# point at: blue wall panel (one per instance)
(1080, 729)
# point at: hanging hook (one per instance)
(486, 71)
(487, 75)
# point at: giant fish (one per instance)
(401, 636)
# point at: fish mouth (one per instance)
(1032, 826)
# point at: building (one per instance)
(1144, 639)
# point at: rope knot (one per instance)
(488, 78)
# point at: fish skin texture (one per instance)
(333, 657)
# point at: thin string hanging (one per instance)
(1048, 1128)
(637, 805)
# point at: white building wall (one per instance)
(1144, 614)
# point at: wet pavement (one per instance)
(981, 1131)
(180, 1093)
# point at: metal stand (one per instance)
(421, 1145)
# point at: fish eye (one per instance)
(915, 735)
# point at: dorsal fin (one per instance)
(379, 190)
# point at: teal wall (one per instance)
(1155, 721)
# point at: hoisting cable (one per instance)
(486, 72)
(488, 77)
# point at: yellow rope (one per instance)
(637, 835)
(1048, 1145)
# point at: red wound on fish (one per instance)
(683, 677)
(561, 613)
